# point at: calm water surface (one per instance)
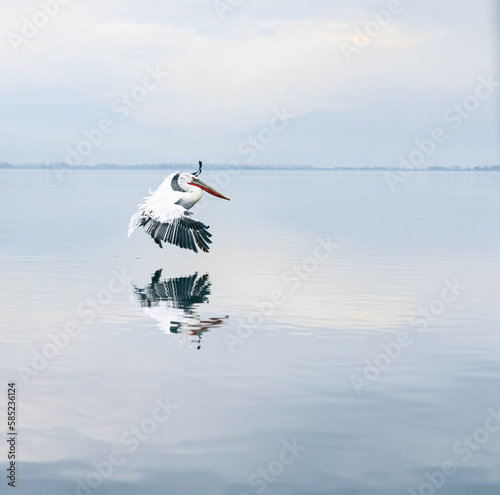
(339, 338)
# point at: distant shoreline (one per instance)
(184, 166)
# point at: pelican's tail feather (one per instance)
(135, 221)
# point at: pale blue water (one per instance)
(288, 360)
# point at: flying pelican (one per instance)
(165, 216)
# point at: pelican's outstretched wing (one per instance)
(184, 231)
(173, 224)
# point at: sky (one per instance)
(296, 82)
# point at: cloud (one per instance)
(230, 74)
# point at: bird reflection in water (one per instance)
(172, 304)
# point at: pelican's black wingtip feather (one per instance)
(185, 232)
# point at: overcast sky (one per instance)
(248, 81)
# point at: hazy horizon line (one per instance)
(218, 166)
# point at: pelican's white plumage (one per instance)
(164, 213)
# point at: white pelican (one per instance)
(165, 216)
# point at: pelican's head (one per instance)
(185, 182)
(194, 181)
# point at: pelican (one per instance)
(165, 216)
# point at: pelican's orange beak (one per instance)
(206, 187)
